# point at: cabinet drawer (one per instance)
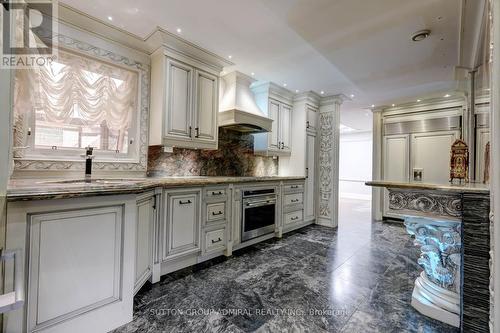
(216, 211)
(215, 240)
(294, 199)
(293, 217)
(216, 193)
(293, 188)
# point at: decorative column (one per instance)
(377, 193)
(329, 139)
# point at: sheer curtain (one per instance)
(78, 87)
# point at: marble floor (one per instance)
(358, 278)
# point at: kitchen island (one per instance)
(451, 226)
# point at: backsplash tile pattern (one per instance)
(233, 158)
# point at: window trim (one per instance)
(27, 159)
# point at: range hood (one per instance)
(238, 109)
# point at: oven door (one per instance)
(259, 217)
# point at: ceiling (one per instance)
(354, 47)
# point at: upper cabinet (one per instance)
(184, 101)
(276, 103)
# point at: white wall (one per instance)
(355, 165)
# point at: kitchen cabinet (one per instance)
(216, 226)
(482, 139)
(396, 153)
(78, 263)
(147, 217)
(293, 204)
(184, 102)
(276, 103)
(310, 184)
(183, 223)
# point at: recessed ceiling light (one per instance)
(373, 105)
(253, 74)
(179, 30)
(230, 56)
(393, 105)
(447, 95)
(284, 84)
(297, 90)
(322, 92)
(352, 95)
(420, 35)
(110, 18)
(419, 100)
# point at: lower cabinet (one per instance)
(78, 261)
(293, 206)
(182, 223)
(147, 217)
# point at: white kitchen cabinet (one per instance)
(396, 152)
(430, 153)
(310, 185)
(276, 103)
(482, 139)
(182, 225)
(79, 263)
(184, 102)
(293, 204)
(147, 216)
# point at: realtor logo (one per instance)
(28, 28)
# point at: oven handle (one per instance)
(261, 203)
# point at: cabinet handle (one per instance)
(216, 214)
(295, 200)
(217, 193)
(197, 129)
(307, 172)
(294, 218)
(282, 145)
(185, 202)
(190, 132)
(294, 186)
(307, 124)
(216, 241)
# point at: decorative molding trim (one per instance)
(26, 164)
(426, 203)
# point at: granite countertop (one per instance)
(43, 189)
(457, 188)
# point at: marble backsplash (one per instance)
(234, 158)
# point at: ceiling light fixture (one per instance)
(322, 92)
(284, 84)
(179, 30)
(447, 95)
(230, 56)
(352, 95)
(420, 35)
(418, 100)
(253, 74)
(110, 18)
(297, 91)
(393, 105)
(373, 105)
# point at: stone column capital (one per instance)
(336, 100)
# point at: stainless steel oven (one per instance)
(258, 213)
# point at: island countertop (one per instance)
(44, 189)
(456, 188)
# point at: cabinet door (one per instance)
(274, 111)
(179, 100)
(430, 152)
(183, 223)
(146, 214)
(312, 118)
(482, 138)
(310, 200)
(285, 127)
(205, 128)
(396, 157)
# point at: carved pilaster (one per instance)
(329, 159)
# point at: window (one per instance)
(75, 102)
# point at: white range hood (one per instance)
(237, 107)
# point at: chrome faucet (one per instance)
(88, 163)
